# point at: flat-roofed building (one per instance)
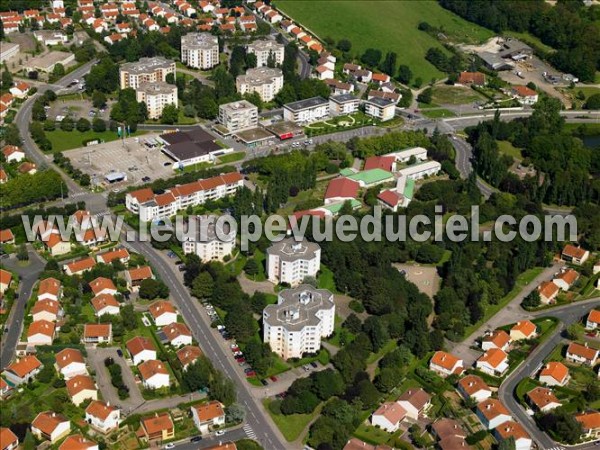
(343, 104)
(209, 238)
(146, 70)
(8, 50)
(290, 261)
(380, 108)
(306, 111)
(296, 324)
(156, 96)
(265, 81)
(238, 116)
(265, 49)
(200, 50)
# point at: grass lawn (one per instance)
(325, 279)
(231, 157)
(389, 26)
(291, 426)
(455, 95)
(508, 149)
(67, 140)
(522, 280)
(372, 435)
(391, 345)
(438, 113)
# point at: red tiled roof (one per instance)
(80, 383)
(574, 252)
(209, 411)
(342, 187)
(471, 384)
(524, 91)
(380, 162)
(582, 350)
(68, 356)
(47, 421)
(140, 273)
(6, 235)
(555, 370)
(24, 366)
(157, 423)
(445, 360)
(392, 411)
(99, 409)
(49, 286)
(526, 327)
(492, 408)
(389, 197)
(138, 344)
(101, 283)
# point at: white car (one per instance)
(220, 433)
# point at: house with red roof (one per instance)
(141, 349)
(341, 189)
(492, 413)
(20, 89)
(566, 279)
(12, 153)
(5, 280)
(102, 416)
(446, 364)
(525, 95)
(135, 276)
(473, 386)
(70, 363)
(8, 439)
(523, 330)
(554, 374)
(575, 254)
(543, 399)
(548, 292)
(593, 320)
(590, 423)
(51, 426)
(81, 388)
(154, 374)
(471, 79)
(496, 339)
(388, 416)
(493, 362)
(582, 354)
(208, 415)
(22, 370)
(514, 430)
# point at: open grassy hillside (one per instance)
(386, 25)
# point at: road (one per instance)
(29, 276)
(568, 315)
(260, 425)
(510, 313)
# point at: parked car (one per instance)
(220, 433)
(314, 364)
(273, 378)
(196, 439)
(119, 352)
(250, 374)
(264, 382)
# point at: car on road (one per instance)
(119, 352)
(145, 179)
(196, 439)
(264, 382)
(306, 367)
(241, 360)
(171, 254)
(220, 433)
(314, 364)
(169, 445)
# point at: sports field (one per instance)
(385, 25)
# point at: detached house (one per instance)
(49, 289)
(493, 362)
(447, 428)
(388, 416)
(582, 354)
(135, 277)
(80, 266)
(8, 439)
(141, 349)
(575, 255)
(554, 374)
(474, 387)
(178, 334)
(188, 355)
(523, 330)
(45, 310)
(154, 374)
(78, 442)
(102, 416)
(492, 413)
(163, 313)
(543, 399)
(446, 364)
(41, 332)
(5, 280)
(97, 333)
(7, 236)
(22, 370)
(208, 415)
(566, 279)
(415, 402)
(525, 95)
(51, 426)
(590, 423)
(105, 304)
(497, 339)
(81, 388)
(70, 363)
(548, 292)
(103, 286)
(120, 254)
(158, 427)
(593, 320)
(516, 431)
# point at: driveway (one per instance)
(509, 314)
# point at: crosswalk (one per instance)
(249, 431)
(78, 194)
(556, 448)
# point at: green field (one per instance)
(67, 140)
(508, 149)
(455, 95)
(231, 157)
(387, 26)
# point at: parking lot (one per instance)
(76, 109)
(130, 156)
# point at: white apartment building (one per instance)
(209, 238)
(289, 261)
(380, 108)
(421, 170)
(343, 104)
(263, 49)
(296, 324)
(150, 206)
(238, 116)
(266, 81)
(156, 96)
(306, 111)
(146, 70)
(200, 50)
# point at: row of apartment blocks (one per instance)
(150, 206)
(317, 108)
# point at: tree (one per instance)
(404, 74)
(251, 267)
(151, 289)
(222, 389)
(371, 57)
(67, 124)
(7, 79)
(344, 45)
(38, 112)
(202, 286)
(593, 102)
(425, 96)
(327, 383)
(418, 82)
(389, 63)
(58, 71)
(235, 413)
(98, 99)
(98, 125)
(128, 317)
(22, 253)
(533, 300)
(197, 375)
(29, 441)
(12, 135)
(169, 114)
(507, 444)
(387, 379)
(83, 125)
(368, 393)
(563, 424)
(241, 325)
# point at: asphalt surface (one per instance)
(568, 315)
(29, 276)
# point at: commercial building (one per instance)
(265, 81)
(306, 111)
(46, 63)
(192, 146)
(343, 104)
(51, 37)
(289, 261)
(8, 50)
(146, 70)
(238, 116)
(200, 50)
(156, 96)
(296, 324)
(265, 49)
(421, 170)
(380, 108)
(209, 238)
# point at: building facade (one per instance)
(306, 111)
(200, 50)
(263, 49)
(146, 70)
(265, 81)
(156, 96)
(209, 238)
(238, 116)
(289, 261)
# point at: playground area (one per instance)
(425, 278)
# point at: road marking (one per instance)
(249, 431)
